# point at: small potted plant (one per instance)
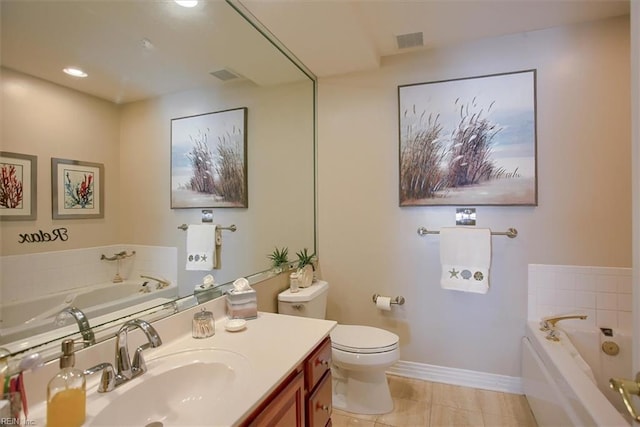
(306, 268)
(305, 259)
(279, 259)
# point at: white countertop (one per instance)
(274, 345)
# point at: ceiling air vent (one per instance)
(409, 40)
(224, 75)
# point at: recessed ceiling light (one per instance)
(187, 3)
(75, 72)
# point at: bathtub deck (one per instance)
(429, 404)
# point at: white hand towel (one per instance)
(465, 255)
(201, 246)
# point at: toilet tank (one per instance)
(307, 302)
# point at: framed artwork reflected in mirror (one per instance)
(18, 186)
(77, 189)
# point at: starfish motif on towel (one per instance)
(454, 273)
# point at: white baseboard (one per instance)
(462, 377)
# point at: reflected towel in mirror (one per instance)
(201, 246)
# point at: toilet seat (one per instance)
(363, 339)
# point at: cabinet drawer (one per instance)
(317, 364)
(319, 403)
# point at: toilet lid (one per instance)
(363, 339)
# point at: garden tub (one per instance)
(566, 382)
(23, 319)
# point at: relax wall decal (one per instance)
(61, 234)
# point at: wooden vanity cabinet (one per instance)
(318, 386)
(303, 399)
(285, 407)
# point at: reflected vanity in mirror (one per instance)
(147, 63)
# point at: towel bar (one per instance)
(397, 300)
(511, 233)
(231, 228)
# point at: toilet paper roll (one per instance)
(383, 303)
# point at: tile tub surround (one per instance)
(274, 345)
(32, 275)
(602, 293)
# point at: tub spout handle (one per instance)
(626, 388)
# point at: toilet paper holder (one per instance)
(397, 300)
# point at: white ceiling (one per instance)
(341, 36)
(40, 37)
(105, 38)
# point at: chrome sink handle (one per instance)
(626, 388)
(138, 364)
(108, 378)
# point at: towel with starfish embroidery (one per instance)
(465, 257)
(201, 246)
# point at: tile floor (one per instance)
(429, 404)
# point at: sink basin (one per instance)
(180, 389)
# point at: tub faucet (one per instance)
(548, 323)
(627, 388)
(127, 369)
(162, 283)
(82, 321)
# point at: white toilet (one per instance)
(360, 354)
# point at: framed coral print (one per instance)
(18, 186)
(209, 160)
(77, 189)
(469, 141)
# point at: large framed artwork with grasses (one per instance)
(209, 160)
(77, 189)
(469, 141)
(18, 184)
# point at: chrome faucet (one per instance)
(83, 323)
(126, 369)
(162, 283)
(548, 323)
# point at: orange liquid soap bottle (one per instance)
(66, 392)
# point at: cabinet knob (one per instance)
(322, 362)
(326, 408)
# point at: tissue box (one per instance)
(242, 305)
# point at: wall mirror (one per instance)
(148, 63)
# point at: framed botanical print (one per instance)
(18, 186)
(77, 189)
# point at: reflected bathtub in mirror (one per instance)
(123, 123)
(55, 281)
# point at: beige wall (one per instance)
(635, 167)
(280, 176)
(47, 120)
(369, 245)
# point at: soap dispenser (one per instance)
(66, 392)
